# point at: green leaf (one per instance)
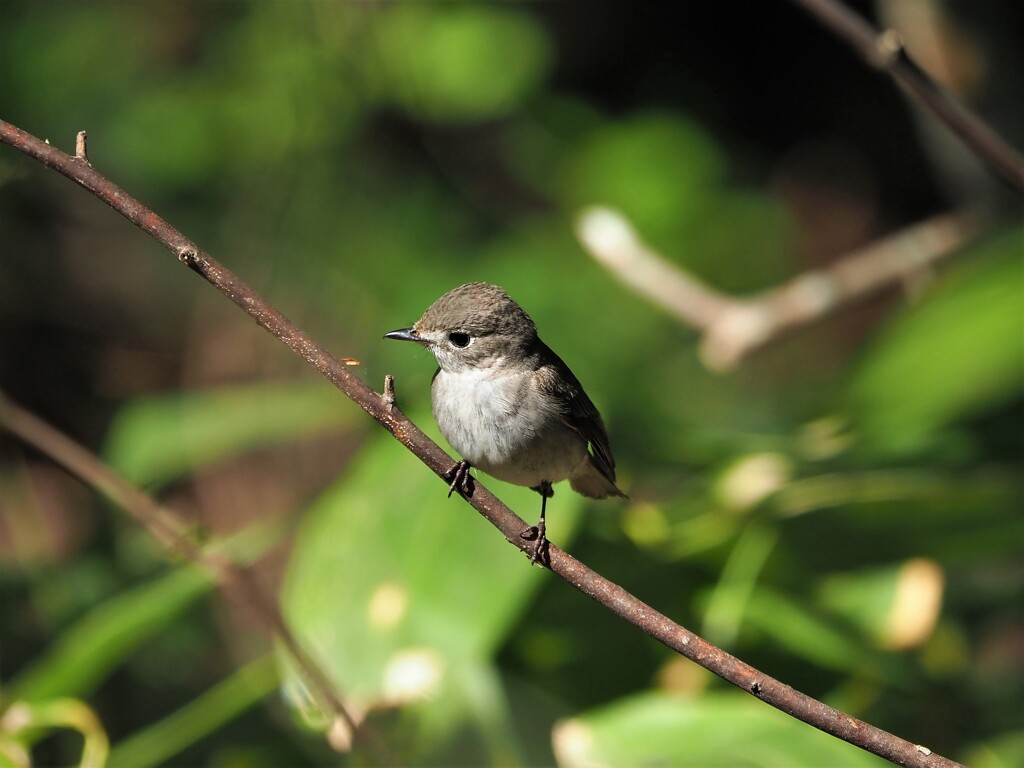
(954, 355)
(715, 729)
(86, 652)
(460, 61)
(399, 590)
(156, 439)
(202, 716)
(663, 172)
(1004, 750)
(26, 723)
(728, 600)
(815, 638)
(864, 597)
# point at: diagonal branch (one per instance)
(885, 51)
(382, 408)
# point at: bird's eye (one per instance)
(458, 339)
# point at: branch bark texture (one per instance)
(885, 51)
(388, 415)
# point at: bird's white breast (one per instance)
(497, 422)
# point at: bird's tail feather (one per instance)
(588, 480)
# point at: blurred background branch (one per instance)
(732, 327)
(234, 579)
(885, 51)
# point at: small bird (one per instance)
(508, 404)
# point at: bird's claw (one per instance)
(540, 554)
(460, 478)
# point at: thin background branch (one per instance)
(885, 51)
(734, 327)
(163, 525)
(388, 415)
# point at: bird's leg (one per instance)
(539, 531)
(460, 478)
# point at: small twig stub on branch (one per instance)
(80, 147)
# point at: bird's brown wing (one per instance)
(579, 412)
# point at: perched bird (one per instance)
(507, 403)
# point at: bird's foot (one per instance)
(460, 478)
(538, 534)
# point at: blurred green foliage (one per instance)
(716, 729)
(395, 629)
(903, 393)
(159, 439)
(844, 511)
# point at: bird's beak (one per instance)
(405, 334)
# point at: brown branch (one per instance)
(164, 526)
(608, 594)
(885, 51)
(734, 327)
